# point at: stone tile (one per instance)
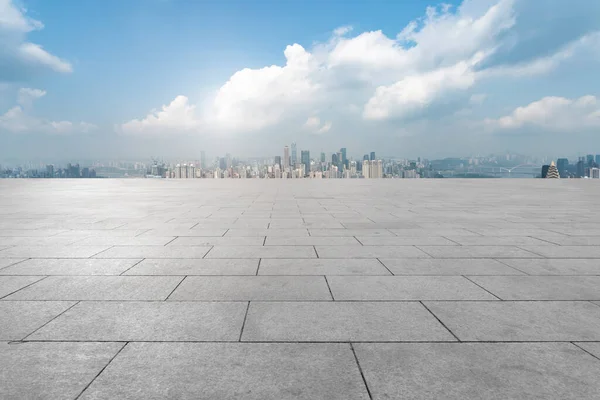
(113, 233)
(450, 266)
(405, 241)
(262, 252)
(154, 252)
(545, 266)
(515, 232)
(477, 252)
(5, 262)
(36, 241)
(218, 241)
(30, 232)
(556, 251)
(478, 371)
(368, 288)
(52, 251)
(519, 321)
(572, 240)
(342, 322)
(171, 231)
(99, 288)
(69, 266)
(207, 288)
(20, 318)
(321, 266)
(370, 252)
(311, 241)
(51, 370)
(433, 232)
(591, 347)
(228, 371)
(236, 266)
(10, 284)
(499, 241)
(125, 241)
(541, 287)
(267, 232)
(146, 321)
(349, 232)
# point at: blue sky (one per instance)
(143, 77)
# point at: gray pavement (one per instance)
(299, 289)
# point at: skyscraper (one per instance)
(278, 161)
(552, 172)
(581, 167)
(365, 169)
(294, 155)
(545, 169)
(561, 165)
(344, 159)
(322, 157)
(334, 159)
(372, 156)
(590, 160)
(366, 157)
(203, 160)
(598, 159)
(286, 157)
(305, 159)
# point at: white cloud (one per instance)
(314, 125)
(19, 118)
(553, 114)
(16, 53)
(432, 60)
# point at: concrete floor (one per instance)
(303, 289)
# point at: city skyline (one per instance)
(401, 78)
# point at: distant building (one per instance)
(552, 172)
(562, 164)
(294, 154)
(286, 158)
(545, 169)
(278, 161)
(597, 159)
(580, 168)
(366, 157)
(590, 160)
(344, 159)
(372, 156)
(595, 173)
(322, 157)
(305, 159)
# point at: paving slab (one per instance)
(321, 266)
(172, 231)
(298, 232)
(311, 241)
(404, 241)
(20, 318)
(218, 241)
(499, 241)
(520, 320)
(370, 252)
(558, 251)
(342, 322)
(98, 288)
(478, 252)
(555, 266)
(52, 251)
(418, 232)
(37, 241)
(350, 232)
(11, 284)
(51, 370)
(541, 287)
(229, 371)
(572, 240)
(5, 262)
(262, 252)
(367, 288)
(235, 266)
(591, 347)
(154, 252)
(449, 266)
(478, 371)
(69, 266)
(125, 241)
(242, 288)
(146, 321)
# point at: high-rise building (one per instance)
(590, 160)
(597, 159)
(545, 169)
(223, 163)
(372, 156)
(294, 155)
(552, 172)
(365, 169)
(203, 160)
(366, 157)
(322, 157)
(286, 157)
(305, 159)
(561, 165)
(50, 170)
(278, 161)
(344, 159)
(334, 159)
(595, 173)
(580, 168)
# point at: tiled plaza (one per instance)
(299, 289)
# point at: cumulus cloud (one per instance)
(557, 114)
(20, 119)
(17, 55)
(437, 60)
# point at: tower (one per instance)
(294, 154)
(552, 172)
(286, 157)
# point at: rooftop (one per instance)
(299, 289)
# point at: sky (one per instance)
(134, 79)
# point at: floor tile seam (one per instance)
(244, 322)
(102, 370)
(24, 287)
(481, 287)
(453, 241)
(171, 241)
(533, 252)
(510, 266)
(205, 254)
(257, 269)
(52, 319)
(121, 274)
(16, 263)
(493, 301)
(329, 288)
(94, 255)
(360, 370)
(279, 341)
(440, 321)
(385, 266)
(586, 351)
(419, 248)
(175, 288)
(316, 252)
